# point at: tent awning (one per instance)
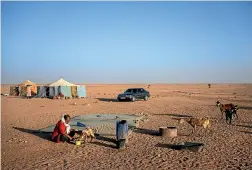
(62, 82)
(27, 82)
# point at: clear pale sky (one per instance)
(127, 42)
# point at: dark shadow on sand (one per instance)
(46, 136)
(104, 144)
(174, 115)
(188, 145)
(154, 132)
(170, 146)
(244, 126)
(246, 132)
(245, 107)
(107, 100)
(106, 139)
(146, 131)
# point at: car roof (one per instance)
(134, 88)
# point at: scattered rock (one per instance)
(87, 104)
(48, 164)
(9, 141)
(42, 106)
(145, 120)
(25, 141)
(74, 103)
(141, 113)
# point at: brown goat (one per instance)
(194, 122)
(226, 107)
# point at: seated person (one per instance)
(62, 131)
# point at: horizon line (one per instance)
(246, 83)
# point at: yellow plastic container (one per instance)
(78, 143)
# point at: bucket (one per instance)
(168, 132)
(172, 132)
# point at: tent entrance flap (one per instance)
(53, 91)
(65, 90)
(81, 91)
(43, 91)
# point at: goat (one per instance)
(194, 122)
(229, 114)
(227, 107)
(85, 134)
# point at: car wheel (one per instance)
(118, 100)
(145, 98)
(133, 99)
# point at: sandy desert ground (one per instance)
(227, 146)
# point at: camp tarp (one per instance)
(103, 124)
(23, 91)
(33, 86)
(14, 91)
(65, 90)
(81, 91)
(34, 90)
(28, 91)
(74, 91)
(53, 91)
(43, 91)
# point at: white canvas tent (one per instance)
(63, 87)
(62, 82)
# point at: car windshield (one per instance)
(131, 91)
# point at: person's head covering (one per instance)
(62, 118)
(67, 125)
